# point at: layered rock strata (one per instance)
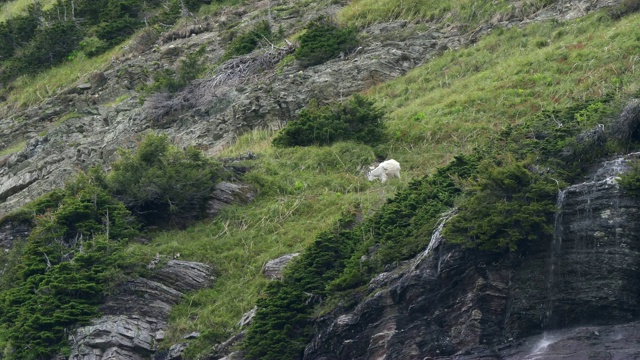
(577, 291)
(136, 315)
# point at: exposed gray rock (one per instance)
(452, 303)
(11, 231)
(227, 350)
(226, 193)
(247, 318)
(192, 335)
(184, 275)
(136, 315)
(212, 112)
(174, 352)
(128, 337)
(273, 268)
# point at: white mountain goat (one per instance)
(386, 169)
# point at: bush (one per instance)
(324, 40)
(64, 268)
(159, 182)
(248, 41)
(355, 120)
(282, 327)
(508, 208)
(172, 81)
(38, 39)
(630, 180)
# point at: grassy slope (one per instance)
(446, 107)
(457, 100)
(13, 8)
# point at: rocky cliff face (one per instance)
(136, 315)
(85, 125)
(464, 304)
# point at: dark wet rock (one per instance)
(174, 352)
(451, 303)
(10, 231)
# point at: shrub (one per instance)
(282, 327)
(64, 268)
(630, 180)
(324, 40)
(356, 120)
(403, 226)
(625, 7)
(172, 81)
(159, 182)
(248, 41)
(509, 207)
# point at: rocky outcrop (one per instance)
(226, 193)
(83, 127)
(136, 315)
(453, 303)
(273, 269)
(11, 231)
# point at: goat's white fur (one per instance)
(386, 169)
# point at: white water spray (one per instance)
(555, 253)
(436, 238)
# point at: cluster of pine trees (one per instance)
(40, 38)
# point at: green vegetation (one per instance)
(172, 81)
(457, 101)
(248, 41)
(323, 40)
(159, 181)
(65, 267)
(40, 38)
(11, 149)
(302, 192)
(282, 327)
(506, 91)
(510, 208)
(362, 13)
(507, 121)
(75, 254)
(28, 90)
(355, 120)
(10, 9)
(630, 181)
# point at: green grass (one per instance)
(446, 107)
(13, 8)
(362, 13)
(31, 90)
(216, 6)
(303, 192)
(14, 148)
(458, 100)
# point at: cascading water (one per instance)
(555, 253)
(436, 238)
(585, 214)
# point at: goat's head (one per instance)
(370, 176)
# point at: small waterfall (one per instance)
(436, 238)
(540, 347)
(555, 253)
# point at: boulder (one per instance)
(273, 269)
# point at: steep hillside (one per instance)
(490, 109)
